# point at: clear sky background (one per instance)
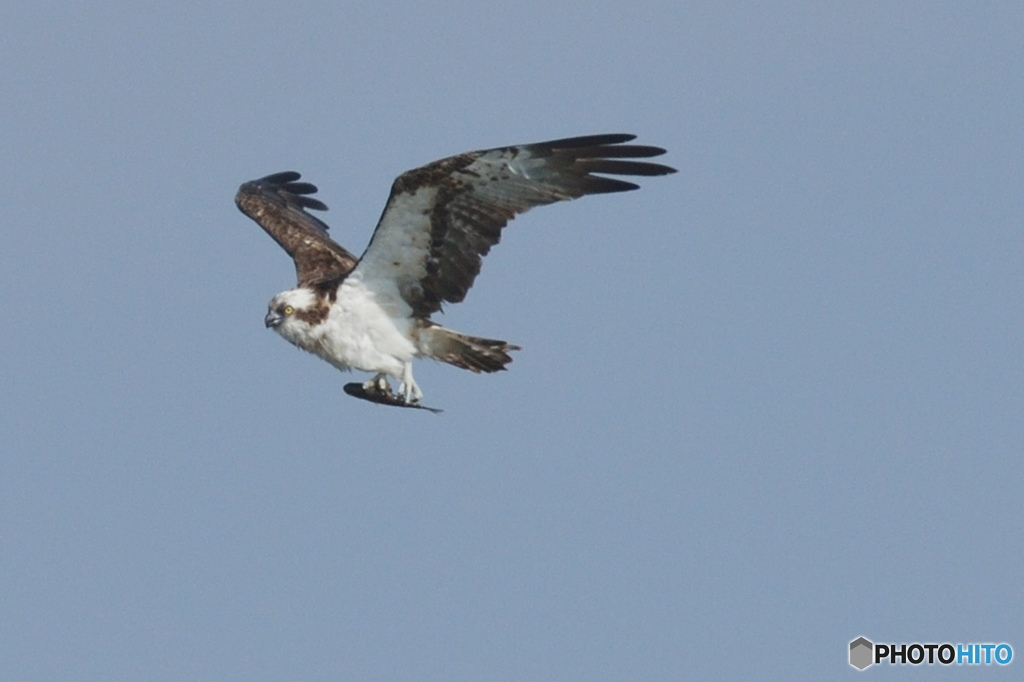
(765, 406)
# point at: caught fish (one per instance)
(380, 392)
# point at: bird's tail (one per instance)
(468, 352)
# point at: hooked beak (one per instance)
(272, 320)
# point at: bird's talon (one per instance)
(378, 384)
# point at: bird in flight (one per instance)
(372, 313)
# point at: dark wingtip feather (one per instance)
(587, 141)
(595, 184)
(278, 178)
(616, 167)
(600, 154)
(627, 151)
(301, 188)
(308, 202)
(284, 186)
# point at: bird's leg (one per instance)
(410, 392)
(378, 384)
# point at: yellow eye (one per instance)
(288, 310)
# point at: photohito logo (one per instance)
(864, 653)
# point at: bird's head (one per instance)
(292, 313)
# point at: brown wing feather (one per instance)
(278, 203)
(468, 199)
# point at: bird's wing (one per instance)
(278, 203)
(441, 219)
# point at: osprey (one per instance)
(373, 313)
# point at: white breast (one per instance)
(366, 330)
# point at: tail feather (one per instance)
(468, 352)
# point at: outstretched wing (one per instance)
(441, 219)
(278, 203)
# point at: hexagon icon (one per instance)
(861, 653)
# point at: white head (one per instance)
(293, 313)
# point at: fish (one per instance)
(380, 392)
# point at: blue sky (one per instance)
(765, 406)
